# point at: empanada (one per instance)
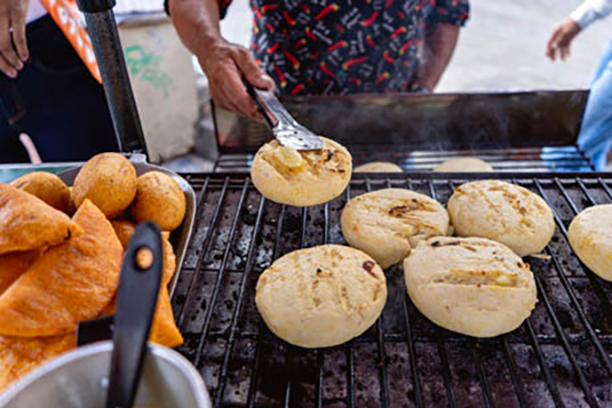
(26, 222)
(69, 283)
(163, 329)
(19, 355)
(14, 264)
(125, 229)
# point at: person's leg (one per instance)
(603, 64)
(596, 133)
(65, 109)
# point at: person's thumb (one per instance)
(253, 73)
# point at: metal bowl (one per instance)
(79, 379)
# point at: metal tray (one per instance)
(180, 237)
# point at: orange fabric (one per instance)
(65, 13)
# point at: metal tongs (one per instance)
(284, 127)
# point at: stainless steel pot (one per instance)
(79, 379)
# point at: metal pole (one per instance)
(102, 29)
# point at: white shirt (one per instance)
(591, 11)
(36, 10)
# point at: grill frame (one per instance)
(224, 185)
(514, 131)
(557, 159)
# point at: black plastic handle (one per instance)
(136, 301)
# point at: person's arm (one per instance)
(563, 35)
(224, 63)
(13, 14)
(441, 35)
(591, 11)
(440, 42)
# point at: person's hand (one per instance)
(561, 39)
(13, 14)
(225, 65)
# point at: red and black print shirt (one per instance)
(326, 47)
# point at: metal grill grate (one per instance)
(557, 159)
(559, 357)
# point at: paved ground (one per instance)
(501, 48)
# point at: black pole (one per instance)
(102, 29)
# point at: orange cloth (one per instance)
(65, 13)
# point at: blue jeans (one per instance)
(55, 101)
(596, 133)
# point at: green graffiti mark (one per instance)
(146, 66)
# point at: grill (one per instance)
(559, 357)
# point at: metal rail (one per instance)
(566, 158)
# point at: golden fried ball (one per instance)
(159, 199)
(70, 208)
(46, 186)
(109, 181)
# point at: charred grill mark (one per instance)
(368, 266)
(413, 204)
(397, 211)
(440, 244)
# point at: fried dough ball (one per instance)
(159, 199)
(46, 186)
(109, 181)
(70, 208)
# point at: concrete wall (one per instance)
(164, 83)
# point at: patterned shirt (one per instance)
(331, 47)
